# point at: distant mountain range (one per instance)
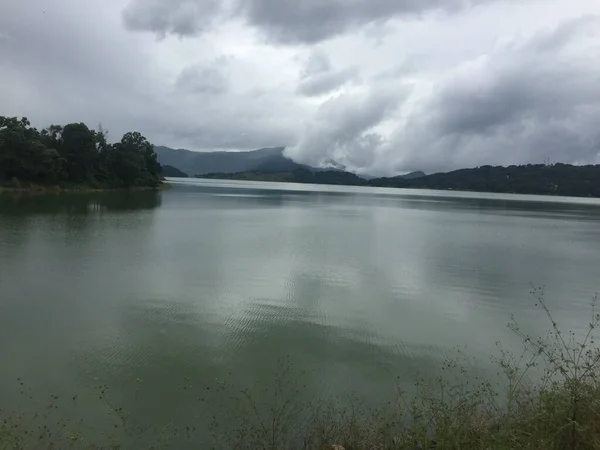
(270, 164)
(414, 175)
(201, 163)
(264, 160)
(557, 179)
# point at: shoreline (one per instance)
(420, 188)
(40, 189)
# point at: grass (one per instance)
(545, 397)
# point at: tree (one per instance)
(17, 150)
(79, 149)
(74, 154)
(133, 161)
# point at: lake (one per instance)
(174, 298)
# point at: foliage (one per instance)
(73, 155)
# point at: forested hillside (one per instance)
(200, 163)
(557, 179)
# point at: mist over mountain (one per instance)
(201, 163)
(265, 160)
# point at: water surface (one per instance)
(224, 281)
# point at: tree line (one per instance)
(556, 179)
(542, 179)
(74, 155)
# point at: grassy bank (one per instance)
(545, 397)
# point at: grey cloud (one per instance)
(284, 21)
(55, 67)
(241, 121)
(33, 40)
(204, 134)
(408, 66)
(202, 79)
(326, 82)
(522, 102)
(74, 62)
(319, 77)
(517, 105)
(343, 128)
(318, 62)
(310, 21)
(181, 17)
(551, 40)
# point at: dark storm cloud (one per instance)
(284, 21)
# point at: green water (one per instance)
(214, 282)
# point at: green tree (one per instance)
(133, 161)
(19, 150)
(74, 154)
(79, 150)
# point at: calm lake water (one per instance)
(167, 296)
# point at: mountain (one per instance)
(414, 175)
(296, 176)
(557, 179)
(170, 171)
(201, 163)
(330, 164)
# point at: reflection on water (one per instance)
(78, 203)
(223, 280)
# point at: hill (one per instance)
(558, 179)
(200, 163)
(414, 175)
(296, 176)
(170, 171)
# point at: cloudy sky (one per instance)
(382, 86)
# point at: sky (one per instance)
(381, 86)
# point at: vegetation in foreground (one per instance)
(555, 179)
(73, 157)
(560, 410)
